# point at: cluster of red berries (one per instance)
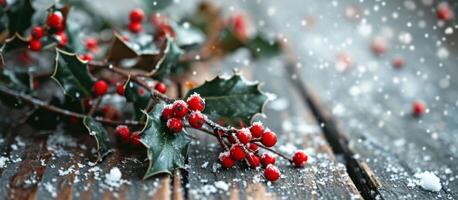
(174, 113)
(55, 22)
(244, 147)
(127, 137)
(136, 17)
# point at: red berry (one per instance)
(269, 138)
(444, 12)
(160, 87)
(136, 15)
(195, 102)
(86, 57)
(91, 44)
(237, 152)
(379, 46)
(300, 158)
(180, 109)
(167, 113)
(257, 129)
(253, 147)
(135, 139)
(35, 45)
(418, 108)
(225, 160)
(196, 119)
(123, 132)
(37, 32)
(271, 173)
(240, 26)
(62, 38)
(175, 125)
(55, 20)
(398, 62)
(135, 27)
(243, 135)
(120, 89)
(267, 159)
(253, 160)
(100, 88)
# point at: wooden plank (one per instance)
(323, 178)
(372, 101)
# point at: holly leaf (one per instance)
(20, 16)
(142, 48)
(10, 44)
(232, 99)
(17, 80)
(170, 57)
(138, 95)
(42, 119)
(72, 75)
(156, 5)
(165, 151)
(261, 47)
(188, 36)
(100, 135)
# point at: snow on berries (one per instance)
(196, 119)
(256, 129)
(175, 125)
(267, 159)
(271, 173)
(237, 152)
(195, 102)
(123, 133)
(300, 158)
(225, 160)
(180, 109)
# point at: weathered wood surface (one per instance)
(370, 103)
(323, 178)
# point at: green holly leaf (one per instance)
(42, 119)
(156, 5)
(188, 36)
(166, 151)
(19, 80)
(100, 135)
(232, 99)
(261, 47)
(10, 44)
(72, 75)
(20, 16)
(170, 57)
(138, 95)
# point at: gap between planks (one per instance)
(360, 173)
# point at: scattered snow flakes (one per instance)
(63, 172)
(208, 189)
(3, 161)
(50, 188)
(428, 181)
(204, 165)
(113, 179)
(222, 185)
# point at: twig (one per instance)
(275, 152)
(95, 106)
(51, 108)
